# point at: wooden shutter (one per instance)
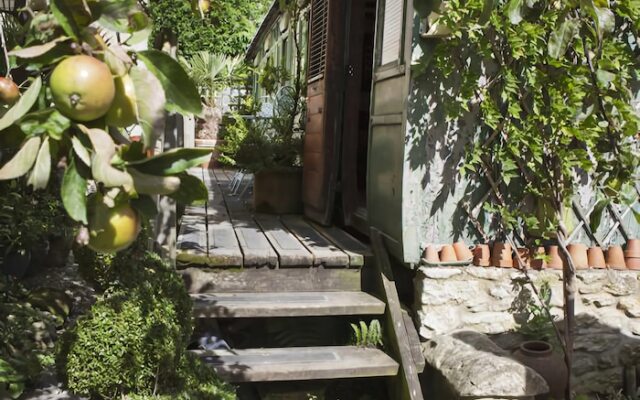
(392, 31)
(318, 39)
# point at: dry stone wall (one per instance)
(485, 300)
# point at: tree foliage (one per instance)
(226, 29)
(555, 84)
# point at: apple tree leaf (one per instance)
(22, 107)
(150, 100)
(39, 177)
(192, 190)
(74, 193)
(22, 162)
(173, 161)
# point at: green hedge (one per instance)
(227, 29)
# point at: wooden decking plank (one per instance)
(224, 249)
(323, 251)
(292, 304)
(256, 249)
(291, 253)
(356, 250)
(191, 246)
(299, 363)
(262, 280)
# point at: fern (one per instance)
(364, 335)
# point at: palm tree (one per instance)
(212, 73)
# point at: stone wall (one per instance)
(485, 299)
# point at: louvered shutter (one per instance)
(392, 30)
(318, 39)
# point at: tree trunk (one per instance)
(569, 288)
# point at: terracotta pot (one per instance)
(502, 255)
(615, 258)
(540, 357)
(539, 263)
(578, 253)
(556, 259)
(596, 257)
(633, 249)
(526, 258)
(462, 251)
(448, 254)
(633, 263)
(431, 254)
(482, 255)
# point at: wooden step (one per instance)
(291, 304)
(265, 280)
(299, 363)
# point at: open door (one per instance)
(356, 112)
(324, 108)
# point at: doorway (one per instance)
(359, 60)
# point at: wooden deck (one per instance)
(225, 233)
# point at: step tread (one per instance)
(289, 304)
(299, 363)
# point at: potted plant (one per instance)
(272, 148)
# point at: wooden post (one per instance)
(406, 385)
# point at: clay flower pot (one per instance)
(462, 251)
(633, 249)
(540, 357)
(556, 260)
(526, 258)
(431, 254)
(482, 255)
(502, 255)
(448, 254)
(578, 253)
(595, 255)
(633, 263)
(615, 258)
(537, 262)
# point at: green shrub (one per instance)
(135, 335)
(234, 134)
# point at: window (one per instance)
(393, 23)
(318, 38)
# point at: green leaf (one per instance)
(74, 193)
(27, 100)
(81, 151)
(606, 19)
(39, 50)
(72, 15)
(182, 94)
(152, 184)
(596, 216)
(49, 121)
(41, 172)
(121, 15)
(636, 214)
(172, 162)
(514, 11)
(562, 37)
(150, 100)
(22, 162)
(101, 168)
(192, 190)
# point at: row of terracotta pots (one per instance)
(583, 257)
(502, 255)
(448, 253)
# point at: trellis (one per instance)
(473, 211)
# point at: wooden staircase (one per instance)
(307, 271)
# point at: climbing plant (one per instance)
(554, 85)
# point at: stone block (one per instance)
(476, 368)
(599, 381)
(600, 300)
(591, 277)
(491, 274)
(631, 306)
(440, 273)
(502, 291)
(622, 285)
(591, 288)
(440, 292)
(489, 322)
(583, 363)
(490, 306)
(635, 327)
(439, 320)
(596, 343)
(630, 352)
